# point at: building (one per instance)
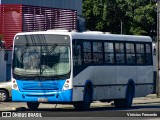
(74, 5)
(28, 15)
(64, 4)
(15, 18)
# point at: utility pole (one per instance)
(158, 52)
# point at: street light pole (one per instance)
(158, 47)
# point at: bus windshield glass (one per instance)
(47, 59)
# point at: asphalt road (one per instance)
(48, 111)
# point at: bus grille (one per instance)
(40, 86)
(50, 85)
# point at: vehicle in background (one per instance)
(5, 65)
(5, 91)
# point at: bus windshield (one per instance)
(39, 60)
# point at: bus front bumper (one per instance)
(59, 96)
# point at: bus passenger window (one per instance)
(87, 52)
(148, 54)
(97, 52)
(77, 53)
(120, 58)
(130, 53)
(109, 52)
(140, 54)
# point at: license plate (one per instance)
(42, 99)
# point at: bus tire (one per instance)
(3, 95)
(32, 105)
(85, 104)
(127, 102)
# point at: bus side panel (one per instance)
(79, 83)
(104, 82)
(144, 80)
(104, 92)
(103, 79)
(124, 74)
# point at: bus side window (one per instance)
(140, 56)
(130, 53)
(87, 52)
(109, 52)
(148, 54)
(97, 52)
(77, 48)
(120, 55)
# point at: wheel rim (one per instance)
(3, 96)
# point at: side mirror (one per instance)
(6, 55)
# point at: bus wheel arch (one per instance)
(132, 84)
(87, 97)
(33, 105)
(89, 86)
(129, 95)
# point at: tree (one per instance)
(144, 20)
(138, 16)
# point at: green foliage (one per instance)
(138, 16)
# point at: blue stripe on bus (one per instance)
(59, 96)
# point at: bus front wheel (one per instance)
(127, 102)
(32, 105)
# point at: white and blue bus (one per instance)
(79, 68)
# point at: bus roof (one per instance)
(93, 35)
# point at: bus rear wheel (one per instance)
(85, 104)
(127, 102)
(32, 105)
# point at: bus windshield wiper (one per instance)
(51, 50)
(45, 55)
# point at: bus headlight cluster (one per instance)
(66, 85)
(14, 85)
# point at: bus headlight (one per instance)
(66, 86)
(15, 86)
